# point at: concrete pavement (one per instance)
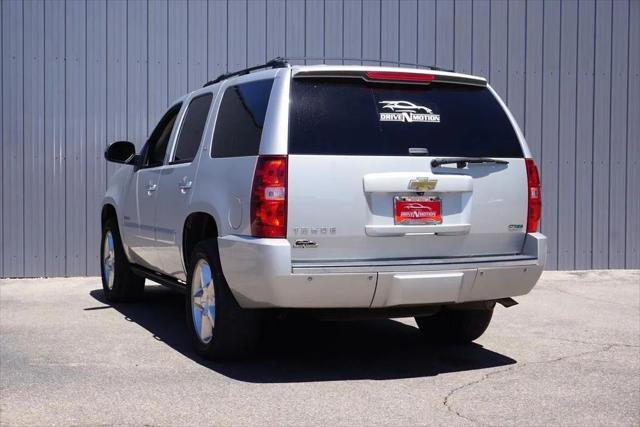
(569, 354)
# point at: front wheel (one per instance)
(118, 281)
(455, 326)
(219, 327)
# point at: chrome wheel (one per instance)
(203, 301)
(108, 259)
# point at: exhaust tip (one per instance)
(507, 302)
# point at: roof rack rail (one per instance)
(280, 62)
(378, 60)
(274, 63)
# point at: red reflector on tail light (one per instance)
(534, 196)
(269, 197)
(400, 76)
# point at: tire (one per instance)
(219, 327)
(455, 326)
(119, 283)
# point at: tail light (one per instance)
(269, 197)
(534, 210)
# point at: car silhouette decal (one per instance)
(400, 106)
(418, 206)
(408, 112)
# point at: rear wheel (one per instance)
(118, 281)
(219, 327)
(455, 326)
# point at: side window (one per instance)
(192, 129)
(157, 143)
(240, 119)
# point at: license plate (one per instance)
(417, 210)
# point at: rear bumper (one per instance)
(260, 274)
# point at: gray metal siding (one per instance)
(78, 74)
(632, 218)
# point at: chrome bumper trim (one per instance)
(400, 265)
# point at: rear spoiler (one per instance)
(404, 77)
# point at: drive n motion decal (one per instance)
(405, 111)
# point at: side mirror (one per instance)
(121, 152)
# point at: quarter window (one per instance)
(241, 118)
(192, 129)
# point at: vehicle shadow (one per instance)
(304, 350)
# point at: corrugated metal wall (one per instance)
(78, 74)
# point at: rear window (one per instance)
(241, 118)
(192, 129)
(353, 117)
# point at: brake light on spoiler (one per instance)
(400, 76)
(389, 76)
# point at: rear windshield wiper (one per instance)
(462, 162)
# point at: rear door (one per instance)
(177, 180)
(361, 181)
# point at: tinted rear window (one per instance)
(241, 118)
(353, 117)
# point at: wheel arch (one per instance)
(108, 211)
(198, 226)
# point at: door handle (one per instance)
(151, 188)
(185, 186)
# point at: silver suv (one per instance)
(348, 191)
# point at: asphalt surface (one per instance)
(568, 354)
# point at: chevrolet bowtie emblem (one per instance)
(422, 184)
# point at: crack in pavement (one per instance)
(565, 292)
(447, 399)
(587, 342)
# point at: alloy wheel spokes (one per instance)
(197, 298)
(206, 328)
(205, 276)
(203, 301)
(108, 259)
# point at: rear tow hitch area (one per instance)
(507, 302)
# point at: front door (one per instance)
(177, 180)
(139, 215)
(141, 200)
